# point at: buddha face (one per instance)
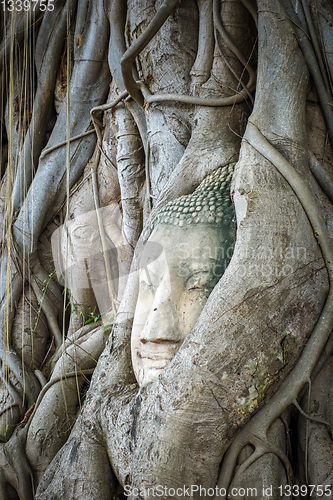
(179, 268)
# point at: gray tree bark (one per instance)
(173, 97)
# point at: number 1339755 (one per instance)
(27, 5)
(309, 490)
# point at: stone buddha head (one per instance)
(189, 248)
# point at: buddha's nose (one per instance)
(162, 323)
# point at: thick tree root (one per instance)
(46, 387)
(202, 66)
(50, 313)
(15, 470)
(301, 189)
(313, 419)
(14, 467)
(255, 431)
(117, 18)
(146, 36)
(309, 52)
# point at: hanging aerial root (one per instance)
(45, 303)
(55, 32)
(315, 43)
(33, 17)
(258, 425)
(94, 165)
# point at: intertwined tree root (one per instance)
(255, 431)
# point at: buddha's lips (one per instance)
(158, 351)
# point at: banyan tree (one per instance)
(166, 301)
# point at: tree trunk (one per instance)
(162, 95)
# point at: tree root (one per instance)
(256, 429)
(310, 56)
(46, 387)
(252, 9)
(145, 37)
(76, 340)
(49, 311)
(257, 140)
(64, 143)
(40, 377)
(197, 101)
(34, 17)
(314, 39)
(203, 63)
(94, 165)
(324, 178)
(262, 448)
(313, 419)
(15, 469)
(28, 386)
(140, 43)
(42, 104)
(117, 19)
(102, 108)
(230, 44)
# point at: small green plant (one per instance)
(93, 318)
(73, 309)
